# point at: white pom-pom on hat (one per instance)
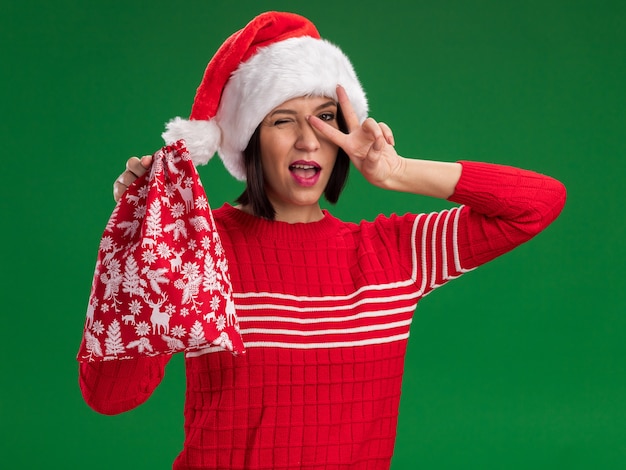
(202, 138)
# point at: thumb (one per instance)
(146, 161)
(379, 143)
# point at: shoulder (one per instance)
(383, 227)
(389, 222)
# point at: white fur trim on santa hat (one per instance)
(295, 67)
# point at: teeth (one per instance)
(304, 167)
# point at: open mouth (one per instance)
(304, 170)
(306, 174)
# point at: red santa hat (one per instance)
(274, 58)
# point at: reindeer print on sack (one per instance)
(183, 185)
(160, 320)
(161, 282)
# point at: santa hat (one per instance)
(274, 58)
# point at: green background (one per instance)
(518, 365)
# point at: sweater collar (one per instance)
(264, 228)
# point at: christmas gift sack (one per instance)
(161, 282)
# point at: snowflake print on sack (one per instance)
(161, 282)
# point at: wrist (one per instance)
(397, 179)
(425, 177)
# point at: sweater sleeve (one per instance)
(503, 207)
(113, 387)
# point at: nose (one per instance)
(307, 139)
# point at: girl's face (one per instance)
(297, 161)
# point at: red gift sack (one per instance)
(161, 283)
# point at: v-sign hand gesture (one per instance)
(369, 145)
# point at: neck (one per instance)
(299, 215)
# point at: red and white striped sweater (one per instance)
(325, 310)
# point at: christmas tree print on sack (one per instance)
(161, 282)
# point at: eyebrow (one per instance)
(293, 112)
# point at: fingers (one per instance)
(373, 128)
(135, 168)
(139, 166)
(328, 131)
(118, 189)
(349, 116)
(378, 144)
(387, 133)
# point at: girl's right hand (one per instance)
(135, 167)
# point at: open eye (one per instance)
(327, 116)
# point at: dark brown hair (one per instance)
(255, 195)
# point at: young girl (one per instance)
(324, 305)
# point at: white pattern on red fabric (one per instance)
(161, 283)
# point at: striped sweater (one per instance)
(325, 310)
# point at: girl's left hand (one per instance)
(369, 145)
